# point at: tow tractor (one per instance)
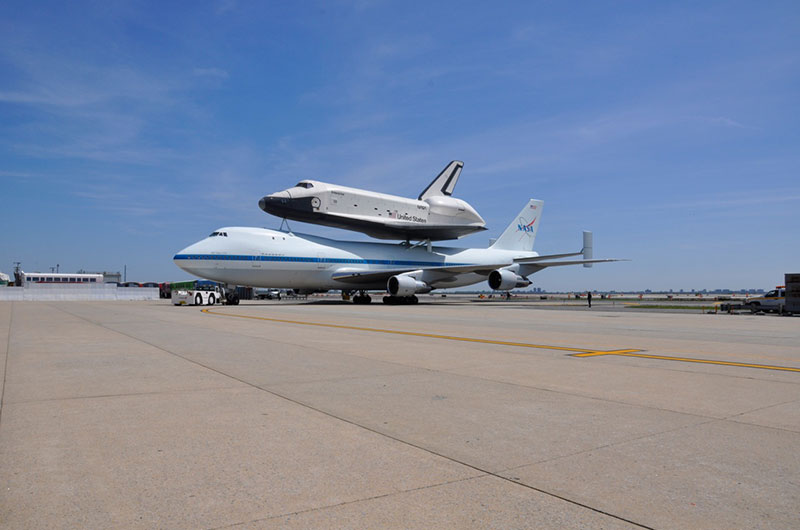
(202, 292)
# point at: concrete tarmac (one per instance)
(445, 414)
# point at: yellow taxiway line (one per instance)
(637, 353)
(575, 352)
(584, 351)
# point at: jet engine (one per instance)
(505, 280)
(401, 285)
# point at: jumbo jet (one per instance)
(263, 258)
(435, 215)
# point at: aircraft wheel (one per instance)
(367, 299)
(198, 300)
(414, 299)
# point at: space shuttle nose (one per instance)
(276, 203)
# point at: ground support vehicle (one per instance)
(773, 301)
(267, 294)
(203, 292)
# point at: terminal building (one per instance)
(27, 278)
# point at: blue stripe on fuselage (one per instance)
(301, 259)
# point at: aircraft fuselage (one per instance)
(260, 257)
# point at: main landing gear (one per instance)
(362, 298)
(399, 300)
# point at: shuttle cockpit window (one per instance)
(304, 184)
(218, 234)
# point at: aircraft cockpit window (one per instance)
(305, 185)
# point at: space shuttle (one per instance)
(434, 216)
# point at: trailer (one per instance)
(792, 284)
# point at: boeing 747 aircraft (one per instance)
(261, 257)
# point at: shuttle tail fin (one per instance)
(521, 233)
(445, 182)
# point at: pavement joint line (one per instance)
(5, 361)
(347, 503)
(124, 394)
(369, 429)
(637, 353)
(417, 334)
(635, 439)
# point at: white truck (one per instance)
(204, 294)
(773, 301)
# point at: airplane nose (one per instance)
(181, 258)
(189, 259)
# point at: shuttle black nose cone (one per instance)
(262, 203)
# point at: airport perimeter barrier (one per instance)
(55, 293)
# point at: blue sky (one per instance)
(670, 129)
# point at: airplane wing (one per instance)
(371, 277)
(531, 264)
(548, 256)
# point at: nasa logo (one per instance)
(525, 226)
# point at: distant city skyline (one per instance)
(130, 130)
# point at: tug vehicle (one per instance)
(202, 292)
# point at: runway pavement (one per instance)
(450, 415)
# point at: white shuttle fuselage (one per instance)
(434, 216)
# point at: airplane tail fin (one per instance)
(588, 247)
(445, 182)
(521, 233)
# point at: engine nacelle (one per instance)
(406, 286)
(505, 280)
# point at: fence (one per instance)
(53, 293)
